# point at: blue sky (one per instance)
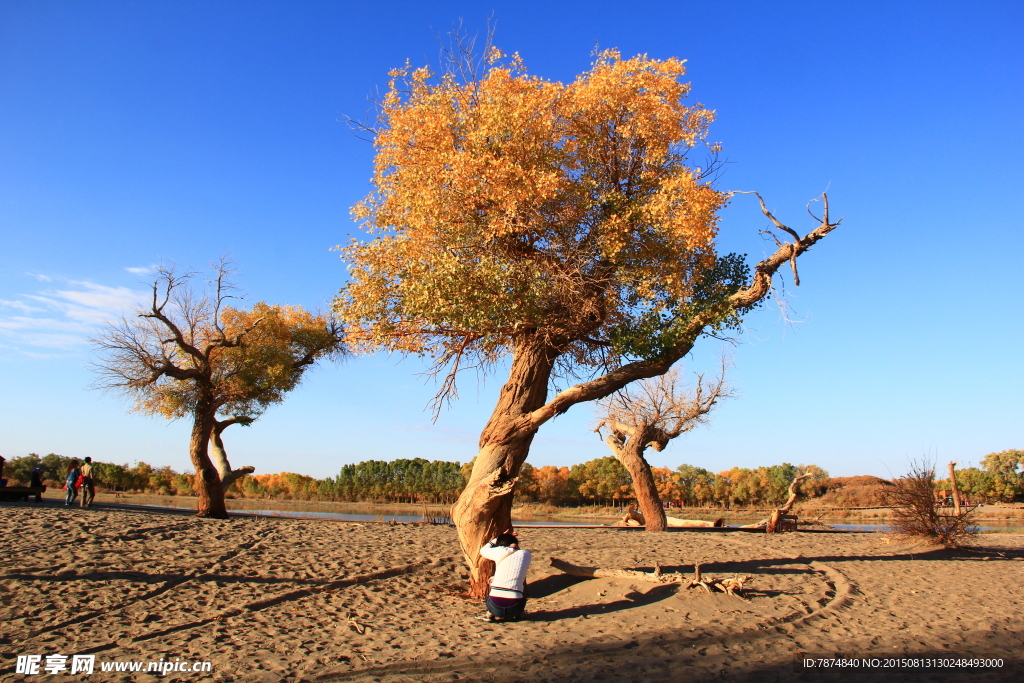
(135, 132)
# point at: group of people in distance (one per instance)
(79, 477)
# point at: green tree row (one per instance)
(400, 481)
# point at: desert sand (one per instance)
(312, 600)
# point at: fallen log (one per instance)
(697, 523)
(634, 517)
(732, 585)
(782, 523)
(657, 576)
(779, 520)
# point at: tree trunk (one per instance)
(631, 456)
(207, 480)
(956, 489)
(773, 522)
(484, 509)
(219, 456)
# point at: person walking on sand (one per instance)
(507, 598)
(88, 488)
(71, 483)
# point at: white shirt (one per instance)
(510, 570)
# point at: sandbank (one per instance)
(316, 600)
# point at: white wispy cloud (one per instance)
(20, 306)
(61, 319)
(142, 270)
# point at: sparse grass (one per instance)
(585, 511)
(1000, 512)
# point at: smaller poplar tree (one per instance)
(649, 414)
(189, 354)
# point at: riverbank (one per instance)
(267, 600)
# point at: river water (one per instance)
(400, 515)
(983, 525)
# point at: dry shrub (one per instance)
(915, 515)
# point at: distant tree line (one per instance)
(399, 481)
(998, 479)
(602, 481)
(606, 481)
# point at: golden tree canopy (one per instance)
(514, 204)
(276, 345)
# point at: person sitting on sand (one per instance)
(71, 483)
(507, 598)
(36, 482)
(88, 489)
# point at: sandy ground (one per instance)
(313, 600)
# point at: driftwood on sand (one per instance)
(676, 522)
(732, 585)
(779, 520)
(635, 517)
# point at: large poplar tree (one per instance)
(560, 224)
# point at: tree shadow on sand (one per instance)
(555, 583)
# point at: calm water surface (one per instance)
(313, 511)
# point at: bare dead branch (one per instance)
(764, 271)
(792, 493)
(660, 407)
(732, 585)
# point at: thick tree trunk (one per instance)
(207, 481)
(484, 509)
(219, 456)
(955, 488)
(631, 456)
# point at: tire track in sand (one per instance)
(168, 585)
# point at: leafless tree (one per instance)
(649, 414)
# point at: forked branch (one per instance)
(787, 251)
